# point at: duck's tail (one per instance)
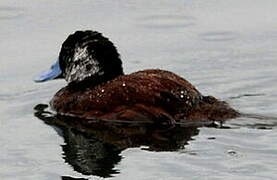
(213, 109)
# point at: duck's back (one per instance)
(149, 95)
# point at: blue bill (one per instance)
(53, 73)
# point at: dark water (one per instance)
(226, 48)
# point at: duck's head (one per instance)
(85, 56)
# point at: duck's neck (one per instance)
(93, 81)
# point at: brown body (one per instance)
(151, 95)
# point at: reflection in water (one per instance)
(89, 155)
(94, 148)
(71, 178)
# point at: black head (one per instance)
(87, 56)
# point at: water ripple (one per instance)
(219, 36)
(255, 121)
(246, 95)
(166, 21)
(7, 12)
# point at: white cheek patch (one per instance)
(82, 65)
(80, 53)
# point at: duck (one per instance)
(97, 88)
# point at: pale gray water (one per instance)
(226, 48)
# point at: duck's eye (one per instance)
(88, 67)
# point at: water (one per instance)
(225, 48)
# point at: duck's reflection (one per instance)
(71, 178)
(89, 155)
(93, 148)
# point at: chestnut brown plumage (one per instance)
(151, 95)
